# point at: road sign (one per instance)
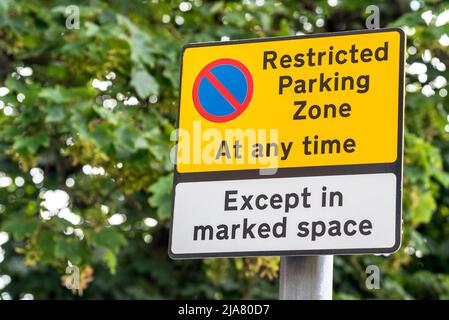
(323, 113)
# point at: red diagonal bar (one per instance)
(223, 90)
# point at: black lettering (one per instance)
(204, 230)
(365, 55)
(349, 145)
(268, 58)
(275, 199)
(332, 197)
(315, 232)
(305, 196)
(353, 51)
(310, 55)
(302, 105)
(330, 107)
(306, 144)
(223, 151)
(258, 205)
(363, 84)
(222, 233)
(317, 112)
(383, 50)
(337, 57)
(246, 202)
(324, 84)
(284, 82)
(303, 230)
(345, 80)
(299, 58)
(286, 150)
(288, 204)
(331, 144)
(228, 200)
(283, 226)
(234, 230)
(345, 110)
(285, 61)
(334, 228)
(247, 230)
(365, 227)
(346, 227)
(263, 230)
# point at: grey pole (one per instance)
(306, 278)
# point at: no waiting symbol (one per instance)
(222, 90)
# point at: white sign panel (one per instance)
(317, 214)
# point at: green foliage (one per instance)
(94, 120)
(161, 196)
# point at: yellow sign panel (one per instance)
(291, 102)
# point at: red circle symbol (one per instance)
(222, 90)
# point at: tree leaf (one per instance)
(71, 249)
(111, 260)
(161, 197)
(109, 238)
(144, 83)
(20, 228)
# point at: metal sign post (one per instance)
(306, 278)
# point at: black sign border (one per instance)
(395, 167)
